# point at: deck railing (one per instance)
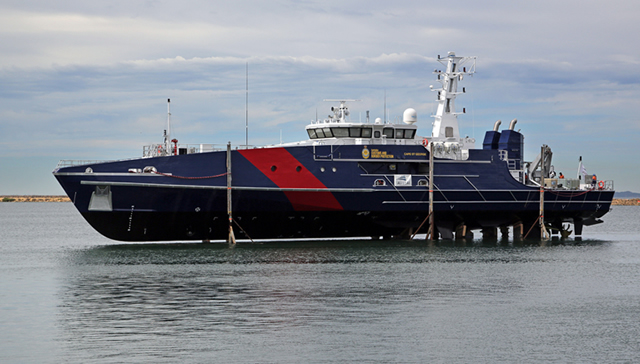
(160, 150)
(76, 162)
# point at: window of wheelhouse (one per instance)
(399, 133)
(409, 133)
(319, 133)
(366, 132)
(327, 132)
(312, 133)
(388, 132)
(340, 132)
(355, 132)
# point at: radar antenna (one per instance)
(340, 113)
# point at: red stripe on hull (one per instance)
(286, 171)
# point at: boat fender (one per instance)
(601, 185)
(425, 142)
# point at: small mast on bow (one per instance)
(167, 133)
(445, 125)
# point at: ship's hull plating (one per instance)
(312, 192)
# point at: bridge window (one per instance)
(409, 133)
(340, 132)
(327, 132)
(312, 133)
(355, 132)
(388, 132)
(366, 132)
(320, 133)
(399, 133)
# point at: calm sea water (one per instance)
(69, 295)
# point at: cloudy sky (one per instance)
(90, 79)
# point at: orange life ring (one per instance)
(425, 142)
(601, 184)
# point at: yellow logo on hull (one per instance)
(365, 152)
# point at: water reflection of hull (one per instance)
(174, 295)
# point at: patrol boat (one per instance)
(348, 179)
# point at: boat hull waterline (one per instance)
(298, 200)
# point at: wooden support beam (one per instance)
(518, 230)
(461, 231)
(231, 238)
(432, 227)
(544, 234)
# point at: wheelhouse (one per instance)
(388, 131)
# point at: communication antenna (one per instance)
(168, 139)
(246, 107)
(384, 115)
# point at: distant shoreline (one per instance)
(626, 202)
(56, 198)
(34, 198)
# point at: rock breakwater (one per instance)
(34, 198)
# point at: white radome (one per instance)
(410, 116)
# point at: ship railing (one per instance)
(160, 150)
(517, 174)
(511, 163)
(606, 185)
(575, 184)
(76, 162)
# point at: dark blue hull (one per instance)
(313, 192)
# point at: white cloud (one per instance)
(71, 38)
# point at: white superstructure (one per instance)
(445, 134)
(445, 124)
